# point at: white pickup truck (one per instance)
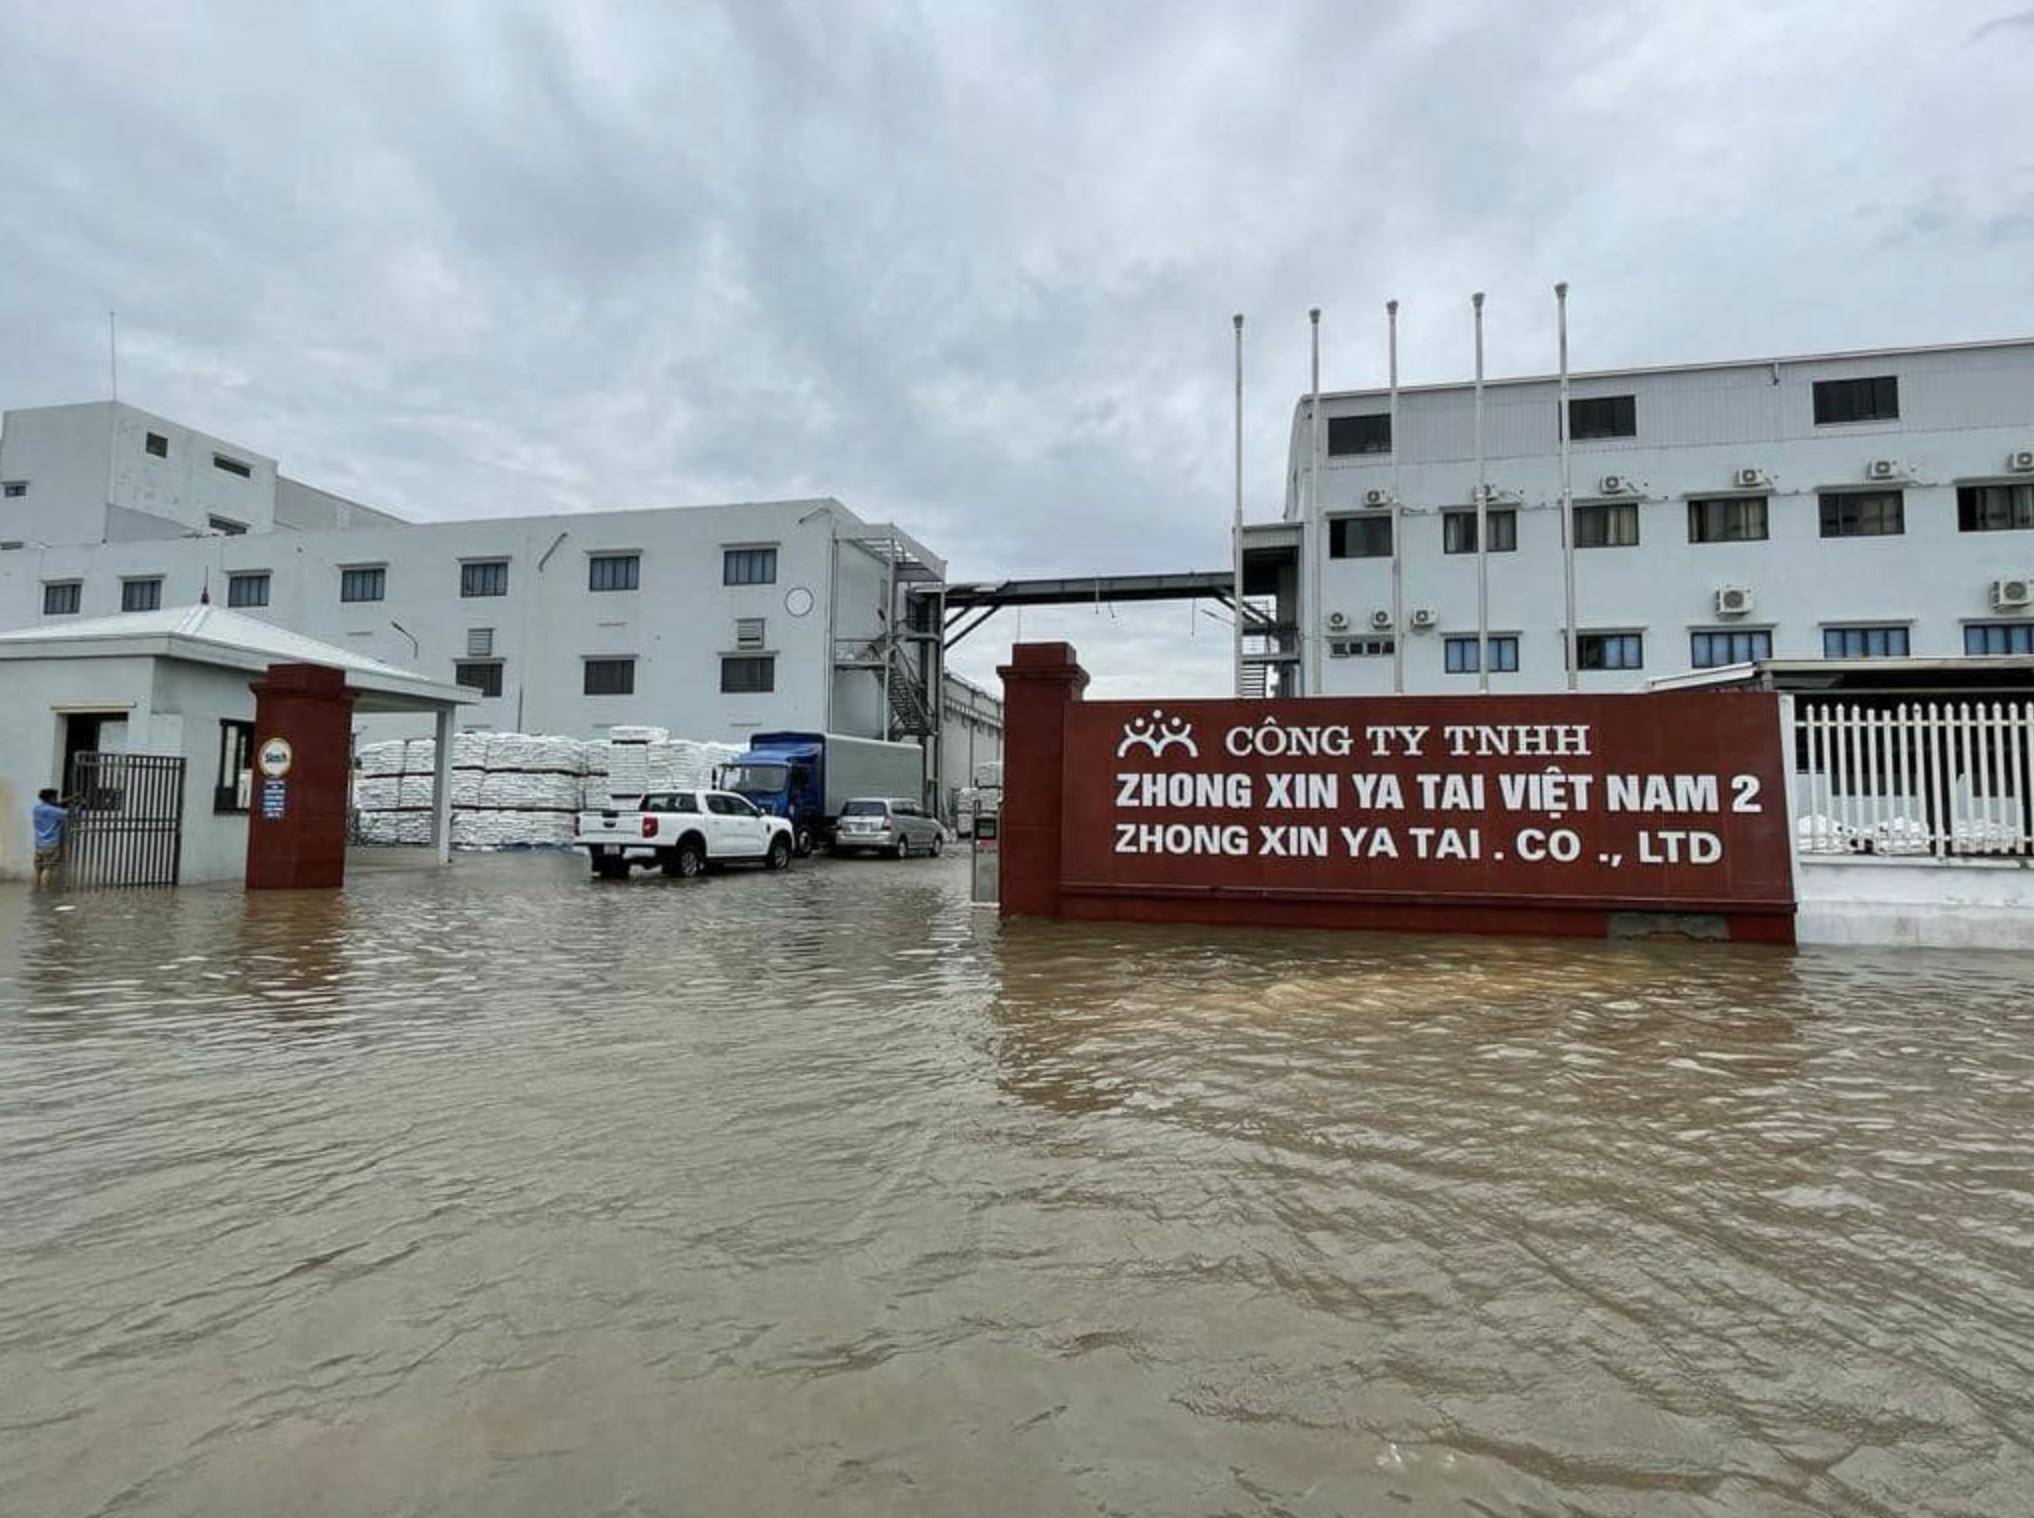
(683, 832)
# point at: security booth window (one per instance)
(232, 788)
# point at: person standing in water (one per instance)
(50, 815)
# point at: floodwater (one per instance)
(507, 1193)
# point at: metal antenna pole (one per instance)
(1397, 522)
(1236, 530)
(1317, 624)
(1482, 520)
(1567, 493)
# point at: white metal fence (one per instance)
(1947, 779)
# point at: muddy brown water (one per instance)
(505, 1193)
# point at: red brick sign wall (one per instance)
(1489, 813)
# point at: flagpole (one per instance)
(1317, 618)
(1567, 492)
(1482, 520)
(1236, 533)
(1397, 521)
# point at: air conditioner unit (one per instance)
(1733, 600)
(1377, 498)
(1748, 479)
(1884, 469)
(2021, 461)
(1614, 484)
(1381, 619)
(1423, 618)
(2012, 594)
(1338, 621)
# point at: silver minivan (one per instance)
(887, 825)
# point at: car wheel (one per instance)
(691, 860)
(938, 844)
(804, 844)
(779, 857)
(903, 848)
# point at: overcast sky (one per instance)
(967, 267)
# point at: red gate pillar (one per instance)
(296, 815)
(1039, 683)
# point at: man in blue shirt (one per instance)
(50, 817)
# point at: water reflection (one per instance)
(506, 1193)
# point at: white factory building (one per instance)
(1846, 506)
(712, 621)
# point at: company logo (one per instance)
(1157, 734)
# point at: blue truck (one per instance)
(805, 778)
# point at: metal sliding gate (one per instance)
(127, 822)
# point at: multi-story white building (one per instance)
(713, 621)
(1851, 505)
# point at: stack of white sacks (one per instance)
(520, 790)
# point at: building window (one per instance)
(14, 489)
(750, 632)
(748, 675)
(1359, 434)
(1458, 530)
(1600, 416)
(141, 595)
(1998, 638)
(1459, 654)
(488, 577)
(1610, 651)
(748, 566)
(1857, 400)
(483, 677)
(250, 589)
(1359, 537)
(1729, 645)
(370, 584)
(62, 598)
(610, 677)
(157, 445)
(1864, 642)
(1607, 524)
(232, 466)
(614, 571)
(480, 642)
(1361, 648)
(232, 786)
(226, 526)
(1863, 513)
(1994, 508)
(1727, 519)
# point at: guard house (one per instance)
(148, 719)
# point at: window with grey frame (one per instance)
(483, 675)
(483, 577)
(1458, 654)
(62, 598)
(247, 588)
(1348, 435)
(1869, 642)
(1994, 508)
(609, 677)
(1615, 650)
(1607, 524)
(1727, 519)
(748, 566)
(747, 674)
(1359, 537)
(1873, 399)
(1710, 647)
(141, 595)
(364, 584)
(1593, 417)
(1994, 638)
(1458, 530)
(614, 571)
(156, 445)
(1863, 513)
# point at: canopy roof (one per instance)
(206, 634)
